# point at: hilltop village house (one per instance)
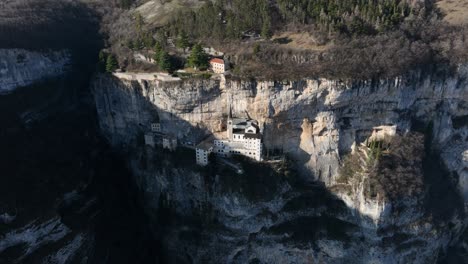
(218, 65)
(243, 138)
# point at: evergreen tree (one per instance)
(102, 61)
(148, 40)
(129, 44)
(139, 22)
(111, 63)
(102, 57)
(182, 41)
(266, 29)
(256, 49)
(198, 57)
(125, 4)
(164, 61)
(157, 51)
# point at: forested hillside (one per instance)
(229, 19)
(330, 38)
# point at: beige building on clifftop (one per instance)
(218, 65)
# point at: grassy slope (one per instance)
(455, 11)
(157, 13)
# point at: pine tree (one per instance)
(129, 44)
(198, 57)
(102, 56)
(157, 51)
(182, 41)
(125, 4)
(266, 29)
(139, 22)
(111, 63)
(148, 41)
(102, 61)
(256, 49)
(164, 61)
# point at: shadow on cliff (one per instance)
(440, 183)
(261, 183)
(48, 24)
(312, 211)
(439, 200)
(51, 148)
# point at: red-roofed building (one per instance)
(218, 65)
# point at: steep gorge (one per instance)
(64, 197)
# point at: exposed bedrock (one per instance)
(395, 214)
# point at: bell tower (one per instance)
(229, 123)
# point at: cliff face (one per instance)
(22, 67)
(317, 123)
(57, 204)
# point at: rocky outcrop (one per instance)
(316, 122)
(22, 67)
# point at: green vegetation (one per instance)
(266, 29)
(358, 162)
(157, 49)
(355, 16)
(216, 20)
(229, 19)
(125, 4)
(101, 66)
(107, 62)
(198, 75)
(183, 41)
(256, 49)
(111, 63)
(351, 166)
(143, 39)
(386, 169)
(198, 58)
(374, 152)
(164, 61)
(162, 58)
(358, 39)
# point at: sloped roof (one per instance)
(217, 60)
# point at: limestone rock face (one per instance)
(21, 67)
(317, 122)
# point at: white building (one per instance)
(203, 151)
(243, 138)
(149, 140)
(218, 65)
(156, 127)
(169, 143)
